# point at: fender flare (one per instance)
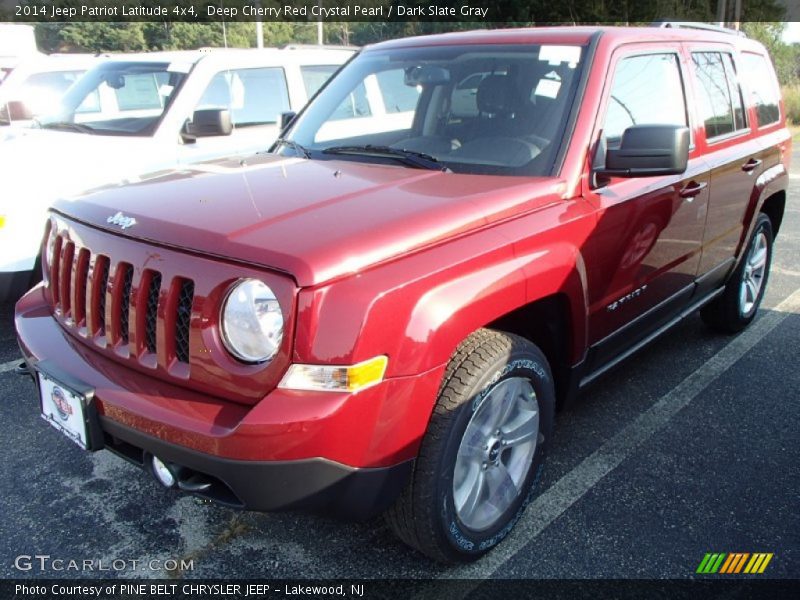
(446, 314)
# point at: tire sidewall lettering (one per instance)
(522, 364)
(473, 542)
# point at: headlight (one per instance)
(252, 323)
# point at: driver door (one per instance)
(644, 253)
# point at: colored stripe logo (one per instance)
(732, 563)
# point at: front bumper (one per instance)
(350, 455)
(312, 484)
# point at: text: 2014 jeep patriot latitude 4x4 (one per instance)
(386, 314)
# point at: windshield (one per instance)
(490, 109)
(117, 98)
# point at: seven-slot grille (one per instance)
(82, 287)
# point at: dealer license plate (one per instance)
(64, 409)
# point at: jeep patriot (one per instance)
(385, 312)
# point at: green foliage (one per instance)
(791, 100)
(99, 36)
(785, 57)
(96, 36)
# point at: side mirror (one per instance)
(209, 122)
(648, 150)
(19, 111)
(286, 119)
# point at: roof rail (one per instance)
(697, 25)
(318, 47)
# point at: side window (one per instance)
(762, 87)
(253, 96)
(316, 75)
(397, 96)
(737, 100)
(647, 89)
(719, 97)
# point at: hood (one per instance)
(316, 220)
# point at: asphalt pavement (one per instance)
(691, 447)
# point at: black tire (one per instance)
(425, 516)
(726, 313)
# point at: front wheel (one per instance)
(483, 451)
(736, 307)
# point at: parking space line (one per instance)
(571, 487)
(10, 365)
(782, 271)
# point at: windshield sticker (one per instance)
(547, 88)
(555, 55)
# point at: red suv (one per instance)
(456, 236)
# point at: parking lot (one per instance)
(690, 447)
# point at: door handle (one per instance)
(750, 165)
(692, 189)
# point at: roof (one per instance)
(226, 54)
(562, 35)
(56, 62)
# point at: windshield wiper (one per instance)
(419, 160)
(294, 146)
(67, 126)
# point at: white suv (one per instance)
(37, 83)
(141, 113)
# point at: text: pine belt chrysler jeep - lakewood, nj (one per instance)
(384, 314)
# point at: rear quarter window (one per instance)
(763, 88)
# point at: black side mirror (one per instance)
(19, 111)
(286, 119)
(648, 150)
(209, 122)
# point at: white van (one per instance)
(140, 113)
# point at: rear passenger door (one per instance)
(733, 156)
(643, 256)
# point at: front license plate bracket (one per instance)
(68, 405)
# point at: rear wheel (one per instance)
(736, 307)
(483, 451)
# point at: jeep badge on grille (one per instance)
(121, 220)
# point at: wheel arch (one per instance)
(541, 297)
(548, 323)
(774, 207)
